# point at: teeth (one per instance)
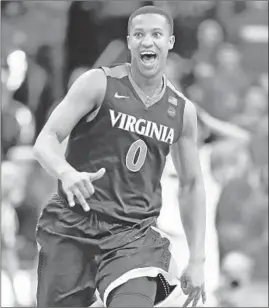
(148, 53)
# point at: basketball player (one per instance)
(99, 230)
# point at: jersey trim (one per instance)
(185, 101)
(119, 71)
(147, 100)
(174, 89)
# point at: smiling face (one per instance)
(149, 41)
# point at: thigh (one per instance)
(65, 277)
(138, 292)
(142, 257)
(67, 267)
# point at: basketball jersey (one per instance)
(130, 137)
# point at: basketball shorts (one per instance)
(80, 253)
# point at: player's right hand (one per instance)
(79, 185)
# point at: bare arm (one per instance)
(224, 129)
(86, 94)
(192, 193)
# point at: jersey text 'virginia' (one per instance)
(141, 126)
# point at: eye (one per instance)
(138, 34)
(157, 34)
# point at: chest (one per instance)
(127, 111)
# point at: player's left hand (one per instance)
(192, 283)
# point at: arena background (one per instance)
(219, 61)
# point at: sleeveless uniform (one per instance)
(130, 136)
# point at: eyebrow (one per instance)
(154, 29)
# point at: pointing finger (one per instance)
(88, 185)
(81, 200)
(70, 198)
(83, 189)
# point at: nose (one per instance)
(147, 41)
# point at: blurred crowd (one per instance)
(219, 62)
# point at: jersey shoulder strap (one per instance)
(117, 71)
(176, 91)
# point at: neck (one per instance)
(149, 85)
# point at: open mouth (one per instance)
(148, 57)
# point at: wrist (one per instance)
(63, 173)
(197, 260)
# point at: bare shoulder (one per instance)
(190, 110)
(98, 75)
(84, 96)
(91, 84)
(189, 119)
(189, 129)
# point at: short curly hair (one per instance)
(150, 9)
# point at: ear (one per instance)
(171, 42)
(128, 42)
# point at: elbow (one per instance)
(187, 184)
(38, 147)
(192, 184)
(37, 150)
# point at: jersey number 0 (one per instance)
(135, 164)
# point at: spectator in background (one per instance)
(21, 157)
(81, 51)
(187, 17)
(230, 165)
(33, 187)
(255, 219)
(245, 269)
(177, 69)
(9, 125)
(9, 229)
(41, 80)
(210, 35)
(18, 66)
(220, 94)
(258, 146)
(241, 221)
(236, 272)
(256, 214)
(246, 24)
(238, 14)
(17, 125)
(16, 269)
(255, 108)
